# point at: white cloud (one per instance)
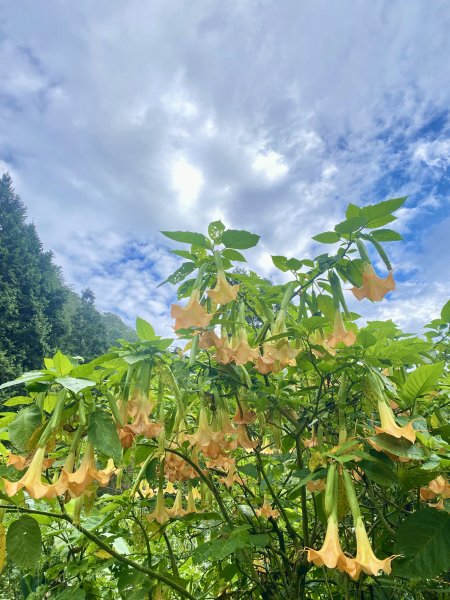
(146, 117)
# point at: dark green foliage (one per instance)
(38, 312)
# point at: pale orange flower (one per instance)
(340, 334)
(267, 511)
(224, 353)
(31, 481)
(331, 554)
(87, 472)
(390, 427)
(139, 408)
(243, 440)
(161, 514)
(242, 351)
(21, 462)
(192, 315)
(318, 485)
(373, 287)
(211, 443)
(223, 291)
(312, 442)
(438, 487)
(177, 509)
(232, 476)
(365, 559)
(210, 338)
(244, 417)
(265, 364)
(318, 340)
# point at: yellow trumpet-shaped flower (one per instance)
(390, 427)
(223, 292)
(373, 287)
(192, 315)
(331, 554)
(366, 560)
(87, 472)
(161, 514)
(340, 334)
(31, 481)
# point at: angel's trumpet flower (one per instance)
(331, 554)
(366, 560)
(22, 462)
(267, 511)
(390, 427)
(340, 334)
(242, 351)
(223, 292)
(161, 514)
(192, 315)
(373, 287)
(87, 472)
(31, 480)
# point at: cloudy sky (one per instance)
(120, 119)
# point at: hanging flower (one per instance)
(138, 408)
(224, 354)
(31, 481)
(232, 476)
(177, 509)
(161, 515)
(244, 416)
(87, 472)
(365, 559)
(192, 315)
(243, 440)
(331, 554)
(211, 443)
(318, 485)
(390, 427)
(312, 442)
(438, 487)
(210, 338)
(21, 462)
(340, 334)
(242, 351)
(223, 291)
(373, 287)
(267, 511)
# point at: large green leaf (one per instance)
(239, 239)
(420, 381)
(328, 237)
(350, 225)
(424, 540)
(188, 237)
(24, 542)
(103, 435)
(144, 330)
(386, 235)
(24, 425)
(74, 384)
(62, 364)
(215, 231)
(382, 209)
(445, 312)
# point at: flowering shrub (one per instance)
(270, 449)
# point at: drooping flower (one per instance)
(87, 472)
(242, 351)
(365, 559)
(232, 476)
(211, 443)
(331, 554)
(243, 440)
(277, 354)
(267, 511)
(437, 487)
(21, 462)
(390, 427)
(210, 338)
(161, 514)
(312, 442)
(177, 509)
(224, 354)
(244, 416)
(318, 485)
(340, 334)
(373, 287)
(192, 315)
(31, 480)
(223, 292)
(139, 408)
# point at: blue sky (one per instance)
(120, 119)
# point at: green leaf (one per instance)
(144, 330)
(183, 254)
(386, 235)
(24, 425)
(103, 435)
(215, 231)
(421, 381)
(380, 222)
(365, 338)
(71, 594)
(328, 237)
(62, 364)
(424, 540)
(382, 209)
(353, 211)
(280, 263)
(381, 470)
(180, 274)
(231, 254)
(18, 400)
(400, 447)
(188, 237)
(24, 542)
(31, 376)
(445, 312)
(73, 384)
(239, 238)
(350, 225)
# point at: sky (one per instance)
(121, 119)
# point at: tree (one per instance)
(279, 452)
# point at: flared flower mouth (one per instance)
(331, 554)
(139, 408)
(77, 482)
(192, 315)
(267, 511)
(161, 514)
(390, 427)
(373, 287)
(366, 560)
(340, 333)
(31, 480)
(223, 291)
